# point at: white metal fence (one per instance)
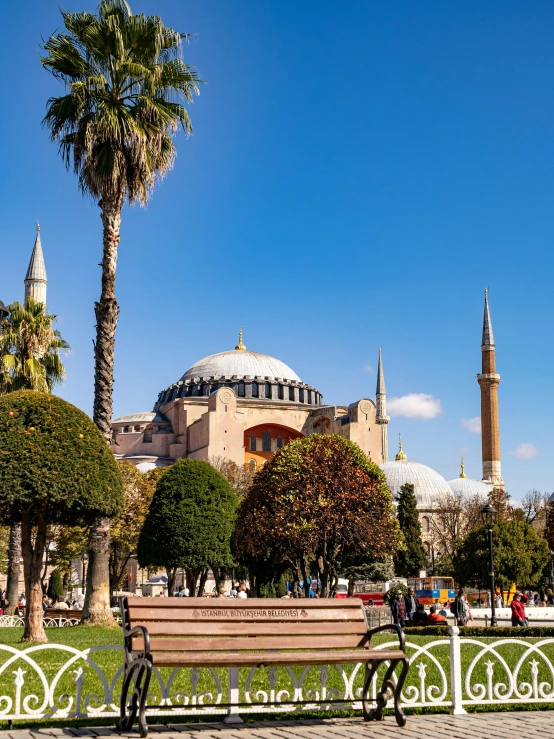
(54, 680)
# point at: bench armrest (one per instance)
(389, 627)
(129, 633)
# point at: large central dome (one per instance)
(251, 375)
(240, 363)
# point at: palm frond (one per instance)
(127, 87)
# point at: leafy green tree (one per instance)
(189, 522)
(55, 585)
(320, 498)
(55, 468)
(410, 560)
(520, 556)
(125, 85)
(29, 359)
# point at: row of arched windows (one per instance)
(258, 390)
(266, 442)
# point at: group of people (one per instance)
(406, 609)
(236, 591)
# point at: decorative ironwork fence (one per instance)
(53, 680)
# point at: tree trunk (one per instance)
(97, 602)
(306, 588)
(171, 574)
(202, 583)
(32, 565)
(14, 558)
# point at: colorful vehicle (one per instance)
(430, 590)
(371, 593)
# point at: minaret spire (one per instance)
(35, 279)
(488, 382)
(381, 417)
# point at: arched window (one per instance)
(268, 390)
(137, 428)
(252, 464)
(291, 393)
(125, 429)
(241, 390)
(252, 443)
(301, 395)
(255, 390)
(309, 397)
(425, 524)
(147, 437)
(279, 442)
(428, 550)
(266, 442)
(201, 389)
(281, 392)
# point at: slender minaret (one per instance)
(488, 382)
(35, 279)
(381, 417)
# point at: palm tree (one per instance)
(125, 85)
(30, 349)
(29, 358)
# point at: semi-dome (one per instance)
(463, 485)
(240, 363)
(428, 484)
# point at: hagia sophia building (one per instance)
(244, 406)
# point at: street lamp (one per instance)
(488, 514)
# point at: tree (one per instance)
(454, 516)
(320, 498)
(189, 522)
(125, 84)
(127, 525)
(520, 556)
(67, 544)
(29, 359)
(410, 560)
(55, 468)
(240, 477)
(55, 585)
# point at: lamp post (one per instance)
(488, 514)
(552, 569)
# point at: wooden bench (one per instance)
(252, 632)
(56, 614)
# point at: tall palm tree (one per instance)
(29, 359)
(125, 85)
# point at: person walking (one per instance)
(398, 610)
(460, 609)
(518, 610)
(410, 603)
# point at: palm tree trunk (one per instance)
(32, 566)
(97, 600)
(14, 558)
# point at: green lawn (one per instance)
(109, 661)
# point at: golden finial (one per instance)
(400, 457)
(240, 346)
(463, 472)
(38, 226)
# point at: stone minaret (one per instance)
(488, 382)
(35, 279)
(381, 417)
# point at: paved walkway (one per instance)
(502, 725)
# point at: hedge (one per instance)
(506, 632)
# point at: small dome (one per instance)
(428, 484)
(240, 363)
(465, 486)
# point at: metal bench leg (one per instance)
(139, 671)
(370, 670)
(376, 714)
(398, 712)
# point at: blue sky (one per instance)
(358, 174)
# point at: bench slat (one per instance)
(255, 642)
(242, 603)
(252, 659)
(256, 628)
(143, 615)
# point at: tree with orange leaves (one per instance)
(320, 498)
